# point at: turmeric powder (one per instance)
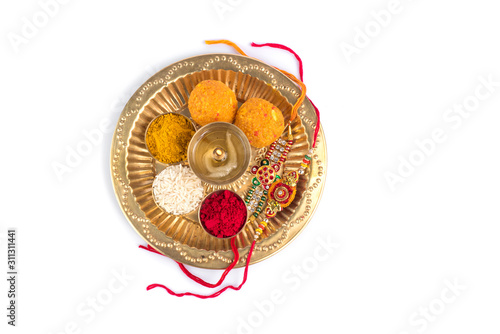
(168, 136)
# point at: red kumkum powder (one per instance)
(223, 214)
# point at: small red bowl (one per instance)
(237, 229)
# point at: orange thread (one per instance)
(225, 41)
(301, 76)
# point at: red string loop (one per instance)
(286, 48)
(215, 294)
(198, 279)
(301, 75)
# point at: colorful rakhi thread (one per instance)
(266, 172)
(282, 193)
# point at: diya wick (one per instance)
(219, 154)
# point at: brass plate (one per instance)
(133, 170)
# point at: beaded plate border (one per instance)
(172, 248)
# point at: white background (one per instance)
(397, 249)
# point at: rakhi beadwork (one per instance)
(282, 192)
(255, 199)
(265, 174)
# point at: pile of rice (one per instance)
(177, 190)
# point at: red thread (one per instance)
(224, 274)
(316, 129)
(215, 294)
(301, 74)
(151, 249)
(286, 48)
(198, 279)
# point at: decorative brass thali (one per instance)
(133, 169)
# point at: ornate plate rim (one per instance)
(175, 250)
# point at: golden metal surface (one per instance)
(133, 170)
(206, 137)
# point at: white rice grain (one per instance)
(177, 190)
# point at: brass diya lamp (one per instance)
(219, 153)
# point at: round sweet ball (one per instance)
(261, 122)
(212, 101)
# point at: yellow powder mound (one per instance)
(212, 101)
(168, 138)
(261, 122)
